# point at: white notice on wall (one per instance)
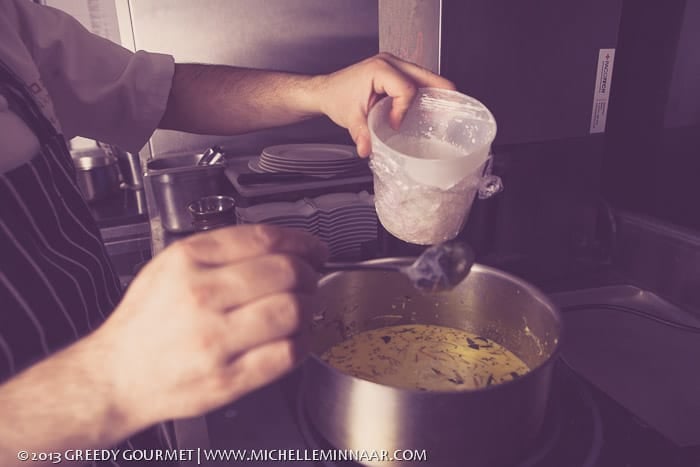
(601, 96)
(97, 16)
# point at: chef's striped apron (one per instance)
(57, 282)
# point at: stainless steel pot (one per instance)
(178, 181)
(97, 174)
(486, 427)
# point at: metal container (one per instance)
(492, 426)
(130, 168)
(97, 174)
(177, 182)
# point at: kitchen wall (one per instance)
(301, 36)
(651, 161)
(534, 64)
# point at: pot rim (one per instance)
(529, 288)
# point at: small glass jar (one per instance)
(212, 212)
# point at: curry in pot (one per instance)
(425, 357)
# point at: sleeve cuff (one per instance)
(154, 77)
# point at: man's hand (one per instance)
(347, 95)
(210, 319)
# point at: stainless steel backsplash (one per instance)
(301, 36)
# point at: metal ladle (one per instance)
(439, 268)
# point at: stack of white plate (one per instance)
(301, 215)
(311, 159)
(344, 221)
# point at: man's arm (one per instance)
(65, 401)
(209, 319)
(223, 100)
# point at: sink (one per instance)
(620, 339)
